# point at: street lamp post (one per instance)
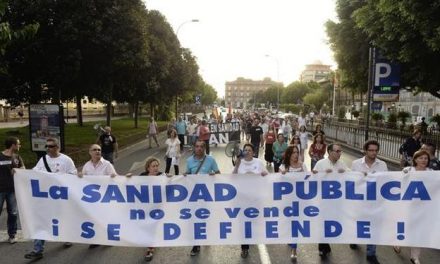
(278, 79)
(177, 35)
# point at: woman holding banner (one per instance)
(249, 165)
(420, 162)
(292, 163)
(151, 169)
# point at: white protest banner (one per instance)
(389, 208)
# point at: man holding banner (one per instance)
(200, 163)
(53, 162)
(369, 164)
(328, 165)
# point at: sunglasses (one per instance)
(51, 146)
(96, 149)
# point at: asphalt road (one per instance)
(133, 159)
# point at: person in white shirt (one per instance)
(97, 165)
(369, 164)
(303, 138)
(328, 165)
(249, 165)
(54, 162)
(173, 152)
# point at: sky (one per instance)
(233, 37)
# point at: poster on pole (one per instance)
(45, 121)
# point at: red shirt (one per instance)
(270, 137)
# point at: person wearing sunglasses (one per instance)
(332, 163)
(54, 162)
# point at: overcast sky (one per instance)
(233, 36)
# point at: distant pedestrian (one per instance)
(279, 147)
(369, 164)
(434, 163)
(269, 139)
(205, 134)
(181, 131)
(54, 162)
(304, 139)
(332, 163)
(152, 132)
(317, 149)
(257, 139)
(296, 141)
(9, 160)
(318, 130)
(172, 154)
(170, 126)
(409, 147)
(108, 144)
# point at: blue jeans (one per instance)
(11, 208)
(371, 250)
(39, 245)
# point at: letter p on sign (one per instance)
(382, 71)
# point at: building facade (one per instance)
(239, 92)
(315, 72)
(420, 105)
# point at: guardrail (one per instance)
(353, 135)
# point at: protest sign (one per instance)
(390, 208)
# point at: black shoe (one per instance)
(244, 253)
(34, 255)
(323, 254)
(93, 246)
(149, 256)
(67, 245)
(353, 246)
(373, 259)
(195, 250)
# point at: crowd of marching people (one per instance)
(284, 143)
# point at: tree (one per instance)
(294, 93)
(403, 116)
(406, 32)
(317, 98)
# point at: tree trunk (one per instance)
(136, 113)
(109, 106)
(79, 117)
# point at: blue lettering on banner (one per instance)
(297, 228)
(280, 189)
(113, 232)
(311, 211)
(157, 214)
(221, 188)
(232, 212)
(157, 194)
(272, 229)
(416, 190)
(199, 231)
(313, 190)
(55, 223)
(176, 193)
(251, 212)
(331, 190)
(137, 214)
(248, 229)
(386, 193)
(91, 193)
(55, 192)
(171, 231)
(371, 191)
(113, 194)
(332, 228)
(202, 213)
(200, 192)
(225, 229)
(141, 195)
(363, 229)
(87, 230)
(185, 213)
(351, 191)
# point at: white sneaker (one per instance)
(415, 261)
(12, 240)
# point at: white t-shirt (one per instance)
(361, 166)
(300, 169)
(62, 163)
(301, 122)
(255, 166)
(192, 129)
(304, 138)
(173, 147)
(103, 167)
(325, 164)
(152, 130)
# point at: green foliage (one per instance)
(403, 116)
(376, 116)
(316, 98)
(341, 113)
(294, 108)
(392, 120)
(355, 113)
(436, 119)
(294, 93)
